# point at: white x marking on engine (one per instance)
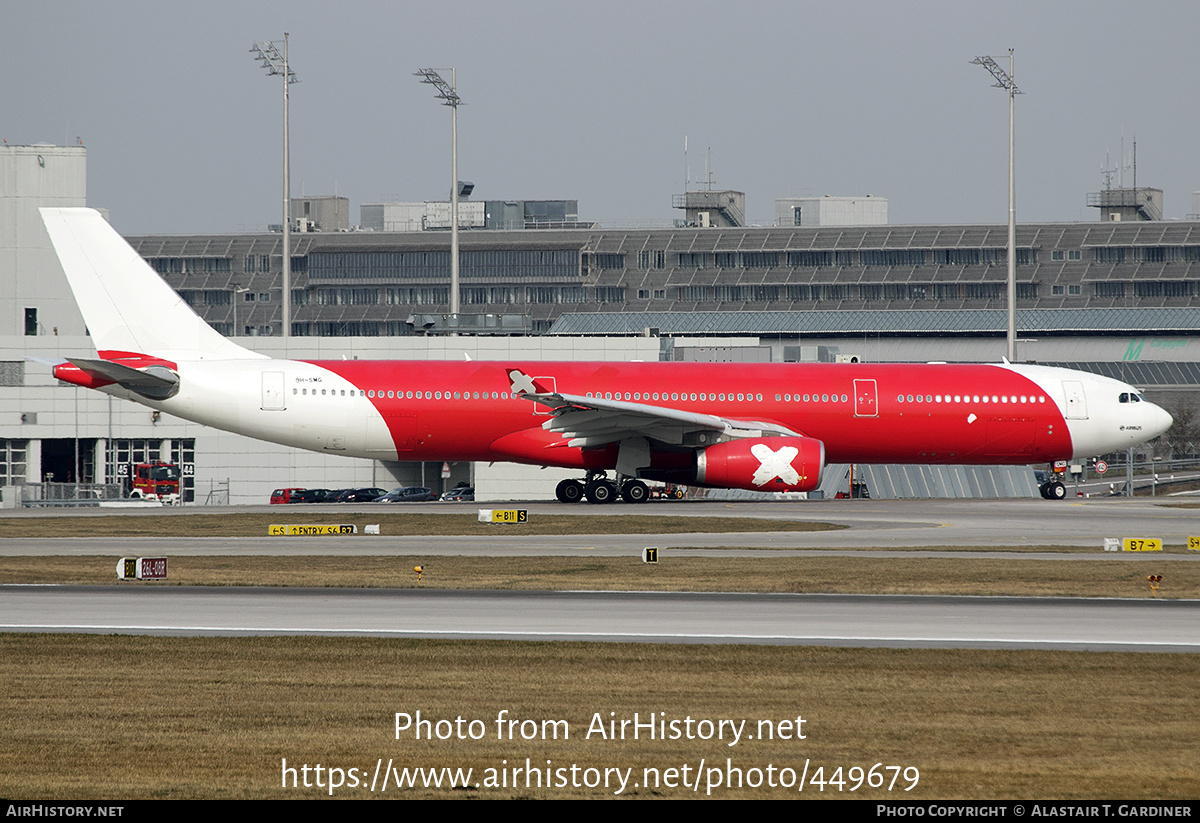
(775, 464)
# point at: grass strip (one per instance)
(146, 717)
(674, 572)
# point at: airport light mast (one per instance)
(1004, 80)
(276, 64)
(236, 289)
(449, 97)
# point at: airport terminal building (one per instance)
(1117, 296)
(389, 284)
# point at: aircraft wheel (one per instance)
(1044, 491)
(601, 491)
(635, 491)
(569, 491)
(1057, 491)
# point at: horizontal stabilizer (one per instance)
(46, 361)
(157, 382)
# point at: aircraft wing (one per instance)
(595, 421)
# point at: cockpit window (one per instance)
(1124, 398)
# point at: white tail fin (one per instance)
(126, 305)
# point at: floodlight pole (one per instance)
(446, 92)
(1004, 80)
(276, 63)
(454, 263)
(237, 289)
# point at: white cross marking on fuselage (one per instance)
(521, 382)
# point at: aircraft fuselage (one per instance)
(869, 413)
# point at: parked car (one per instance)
(464, 494)
(360, 495)
(408, 494)
(285, 495)
(310, 496)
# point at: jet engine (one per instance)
(771, 464)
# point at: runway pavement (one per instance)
(655, 617)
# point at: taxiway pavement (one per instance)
(881, 526)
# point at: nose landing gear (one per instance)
(1053, 490)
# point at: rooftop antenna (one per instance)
(708, 176)
(1121, 176)
(687, 177)
(1106, 172)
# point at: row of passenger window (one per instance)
(332, 392)
(824, 398)
(405, 395)
(678, 396)
(969, 398)
(720, 397)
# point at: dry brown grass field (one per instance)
(676, 571)
(148, 717)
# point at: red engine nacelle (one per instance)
(770, 464)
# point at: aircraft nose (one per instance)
(1159, 420)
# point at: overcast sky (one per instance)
(592, 101)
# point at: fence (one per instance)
(69, 494)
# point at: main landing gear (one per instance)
(597, 488)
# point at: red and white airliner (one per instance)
(766, 427)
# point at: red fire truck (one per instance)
(155, 481)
